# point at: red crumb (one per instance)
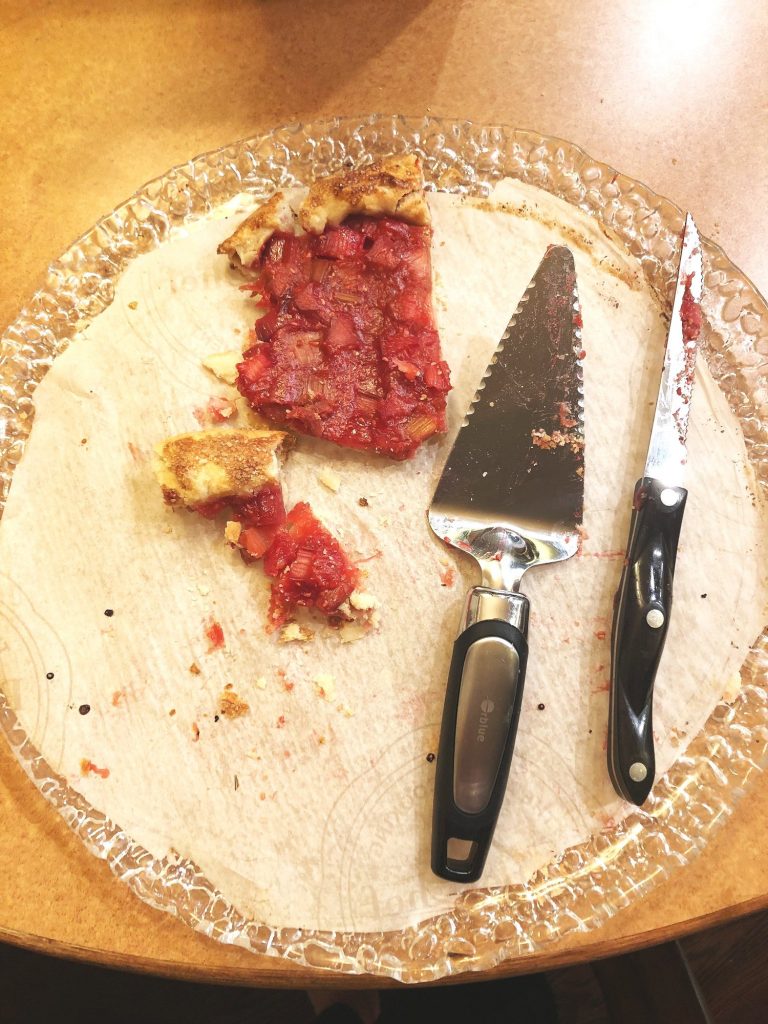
(601, 688)
(603, 554)
(136, 453)
(215, 635)
(288, 686)
(217, 410)
(583, 354)
(281, 722)
(600, 634)
(286, 753)
(117, 696)
(262, 796)
(195, 732)
(194, 668)
(89, 768)
(447, 576)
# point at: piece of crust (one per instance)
(244, 246)
(393, 186)
(209, 465)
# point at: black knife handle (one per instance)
(477, 737)
(642, 607)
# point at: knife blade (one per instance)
(643, 601)
(511, 495)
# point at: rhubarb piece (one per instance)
(308, 567)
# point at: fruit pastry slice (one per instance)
(346, 348)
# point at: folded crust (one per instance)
(392, 186)
(209, 465)
(244, 246)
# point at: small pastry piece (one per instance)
(211, 471)
(308, 566)
(217, 465)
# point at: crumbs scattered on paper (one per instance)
(117, 696)
(195, 732)
(87, 767)
(231, 705)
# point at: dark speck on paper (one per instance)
(215, 718)
(84, 709)
(541, 706)
(109, 612)
(703, 595)
(430, 758)
(49, 675)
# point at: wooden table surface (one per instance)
(99, 97)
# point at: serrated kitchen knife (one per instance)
(644, 599)
(511, 495)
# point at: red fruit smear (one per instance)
(261, 513)
(690, 313)
(348, 349)
(215, 635)
(308, 566)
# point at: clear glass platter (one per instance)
(588, 883)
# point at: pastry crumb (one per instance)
(325, 686)
(732, 688)
(362, 602)
(232, 531)
(224, 365)
(294, 633)
(261, 683)
(231, 705)
(328, 478)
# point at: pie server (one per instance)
(644, 599)
(510, 495)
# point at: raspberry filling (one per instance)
(308, 567)
(347, 349)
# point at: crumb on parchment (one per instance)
(87, 767)
(325, 686)
(330, 479)
(294, 633)
(231, 705)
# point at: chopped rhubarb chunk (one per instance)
(308, 566)
(348, 349)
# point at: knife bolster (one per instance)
(484, 604)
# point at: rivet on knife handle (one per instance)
(641, 619)
(477, 736)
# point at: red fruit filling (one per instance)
(348, 349)
(261, 513)
(308, 567)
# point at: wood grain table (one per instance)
(96, 98)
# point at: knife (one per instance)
(643, 601)
(510, 495)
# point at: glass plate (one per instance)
(588, 883)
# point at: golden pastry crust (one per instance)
(244, 246)
(393, 186)
(209, 465)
